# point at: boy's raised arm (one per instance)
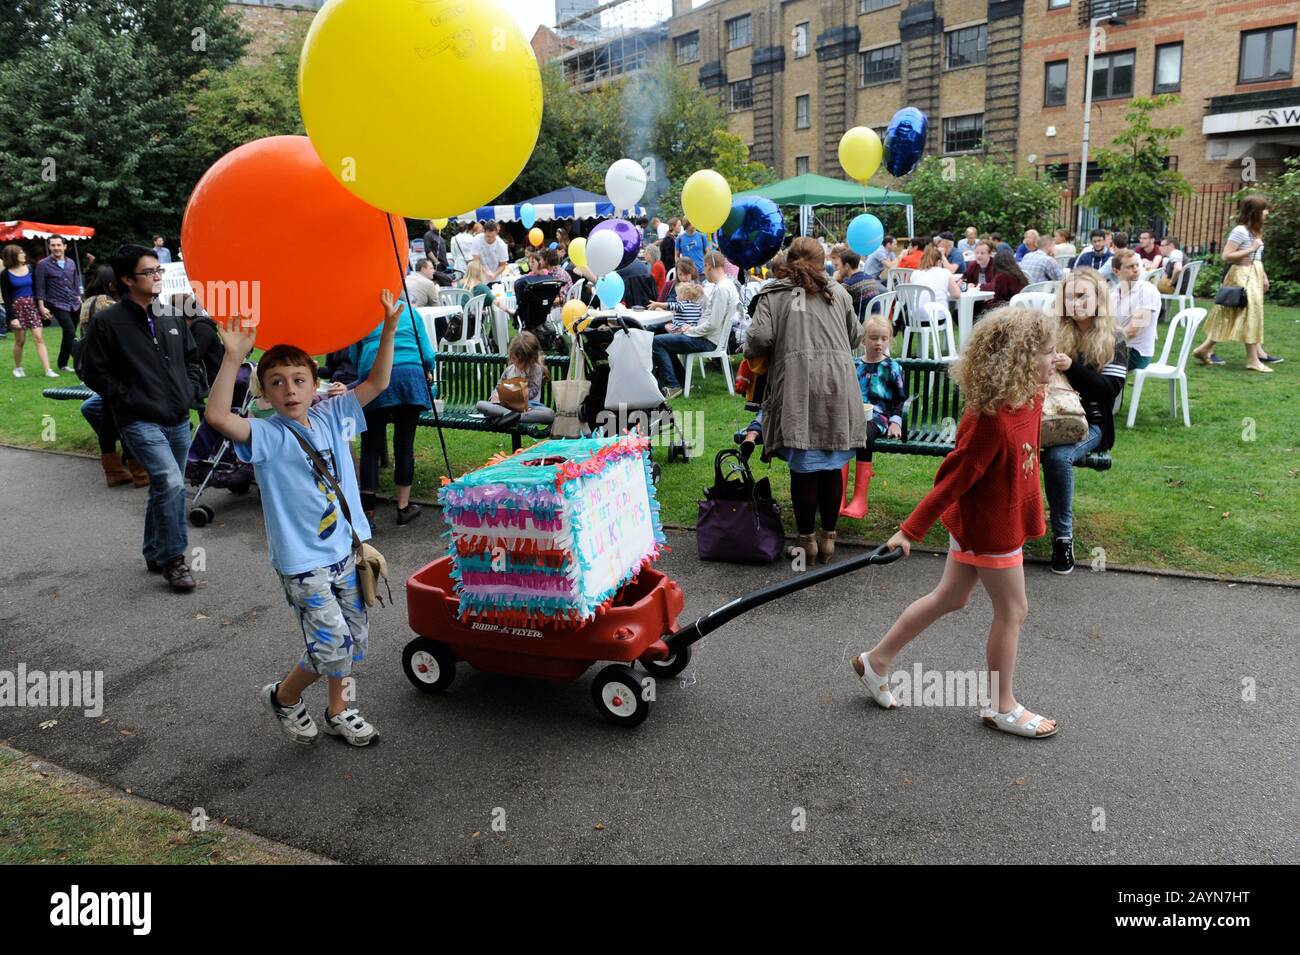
(238, 342)
(377, 381)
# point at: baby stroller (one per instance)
(211, 461)
(533, 309)
(624, 395)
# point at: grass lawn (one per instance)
(50, 817)
(1222, 497)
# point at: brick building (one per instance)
(270, 23)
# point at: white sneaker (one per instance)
(70, 371)
(51, 374)
(352, 726)
(19, 373)
(295, 721)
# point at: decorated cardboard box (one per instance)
(552, 532)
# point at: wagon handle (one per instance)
(727, 612)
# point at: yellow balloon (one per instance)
(573, 310)
(365, 61)
(706, 200)
(578, 252)
(440, 224)
(535, 236)
(861, 153)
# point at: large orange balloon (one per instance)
(256, 221)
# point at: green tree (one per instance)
(986, 192)
(1282, 228)
(1137, 187)
(85, 139)
(230, 107)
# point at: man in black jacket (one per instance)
(141, 358)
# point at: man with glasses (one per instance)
(56, 286)
(141, 358)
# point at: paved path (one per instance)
(1145, 675)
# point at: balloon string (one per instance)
(406, 294)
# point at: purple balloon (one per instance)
(627, 233)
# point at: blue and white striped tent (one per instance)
(566, 203)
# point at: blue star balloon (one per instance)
(753, 232)
(905, 140)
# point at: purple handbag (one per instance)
(738, 520)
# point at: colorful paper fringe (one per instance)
(550, 534)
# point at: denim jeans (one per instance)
(666, 349)
(100, 418)
(1058, 478)
(161, 451)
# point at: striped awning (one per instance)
(547, 212)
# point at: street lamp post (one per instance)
(1111, 20)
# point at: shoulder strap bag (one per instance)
(371, 565)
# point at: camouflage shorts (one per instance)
(332, 615)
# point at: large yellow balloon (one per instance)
(706, 200)
(535, 236)
(860, 153)
(365, 62)
(578, 252)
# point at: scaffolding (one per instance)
(613, 40)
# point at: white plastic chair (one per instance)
(1043, 301)
(575, 290)
(1190, 319)
(471, 329)
(1033, 287)
(1184, 289)
(896, 278)
(1066, 261)
(453, 296)
(937, 325)
(913, 299)
(719, 352)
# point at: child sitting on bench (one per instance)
(525, 354)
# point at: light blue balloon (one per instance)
(865, 233)
(610, 289)
(527, 215)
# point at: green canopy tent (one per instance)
(811, 190)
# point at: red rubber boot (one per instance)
(862, 476)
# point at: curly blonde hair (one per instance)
(1097, 345)
(998, 367)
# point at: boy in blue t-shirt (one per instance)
(693, 245)
(307, 530)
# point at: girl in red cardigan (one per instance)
(987, 494)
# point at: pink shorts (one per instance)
(1014, 558)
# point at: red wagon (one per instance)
(640, 626)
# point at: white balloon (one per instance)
(604, 252)
(625, 183)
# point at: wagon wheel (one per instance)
(616, 692)
(670, 666)
(429, 665)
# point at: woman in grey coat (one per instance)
(806, 329)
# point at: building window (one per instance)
(1169, 68)
(963, 133)
(870, 6)
(802, 118)
(1266, 55)
(1112, 75)
(741, 94)
(967, 46)
(738, 32)
(686, 48)
(800, 39)
(800, 165)
(1057, 4)
(1055, 79)
(880, 66)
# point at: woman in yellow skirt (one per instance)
(1244, 254)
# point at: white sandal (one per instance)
(1009, 722)
(878, 685)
